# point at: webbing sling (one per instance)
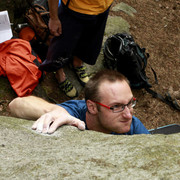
(167, 99)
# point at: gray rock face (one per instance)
(73, 154)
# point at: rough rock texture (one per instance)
(73, 154)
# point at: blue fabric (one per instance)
(78, 108)
(59, 3)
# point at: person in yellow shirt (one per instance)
(78, 29)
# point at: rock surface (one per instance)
(73, 154)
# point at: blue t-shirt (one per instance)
(78, 108)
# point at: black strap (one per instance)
(67, 3)
(37, 63)
(167, 99)
(155, 76)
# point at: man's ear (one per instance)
(92, 107)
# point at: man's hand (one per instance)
(49, 122)
(55, 27)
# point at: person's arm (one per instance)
(30, 107)
(54, 22)
(49, 116)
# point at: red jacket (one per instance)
(16, 62)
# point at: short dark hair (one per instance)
(92, 87)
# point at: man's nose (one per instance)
(127, 113)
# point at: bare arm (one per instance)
(30, 107)
(48, 116)
(54, 22)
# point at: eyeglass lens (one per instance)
(120, 108)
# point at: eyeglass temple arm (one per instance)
(102, 104)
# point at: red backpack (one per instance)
(20, 65)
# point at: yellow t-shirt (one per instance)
(90, 7)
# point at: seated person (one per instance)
(107, 108)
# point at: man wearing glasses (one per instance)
(107, 108)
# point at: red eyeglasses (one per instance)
(119, 107)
